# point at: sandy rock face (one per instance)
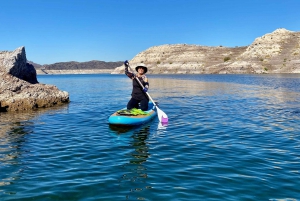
(276, 52)
(19, 88)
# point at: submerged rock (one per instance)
(19, 87)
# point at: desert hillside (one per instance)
(276, 52)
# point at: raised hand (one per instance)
(126, 63)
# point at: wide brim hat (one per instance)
(141, 65)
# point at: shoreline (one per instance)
(83, 71)
(111, 71)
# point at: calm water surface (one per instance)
(229, 137)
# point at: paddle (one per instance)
(162, 117)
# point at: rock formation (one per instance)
(19, 88)
(15, 63)
(276, 52)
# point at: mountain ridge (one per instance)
(276, 52)
(73, 65)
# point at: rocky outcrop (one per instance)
(15, 63)
(276, 52)
(19, 88)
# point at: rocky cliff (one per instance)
(19, 88)
(276, 52)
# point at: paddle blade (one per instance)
(162, 117)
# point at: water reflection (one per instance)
(117, 130)
(14, 130)
(267, 94)
(134, 171)
(11, 120)
(140, 154)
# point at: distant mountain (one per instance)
(36, 66)
(73, 65)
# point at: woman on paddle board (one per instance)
(138, 95)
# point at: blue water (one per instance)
(229, 137)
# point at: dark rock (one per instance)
(19, 88)
(30, 76)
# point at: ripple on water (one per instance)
(228, 138)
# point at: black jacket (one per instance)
(137, 90)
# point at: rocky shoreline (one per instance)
(79, 71)
(19, 87)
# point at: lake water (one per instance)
(229, 137)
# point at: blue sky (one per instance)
(115, 30)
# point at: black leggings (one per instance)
(133, 103)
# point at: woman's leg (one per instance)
(144, 104)
(132, 104)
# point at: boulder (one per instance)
(15, 63)
(19, 88)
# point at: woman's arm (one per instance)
(146, 83)
(129, 74)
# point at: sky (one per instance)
(117, 30)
